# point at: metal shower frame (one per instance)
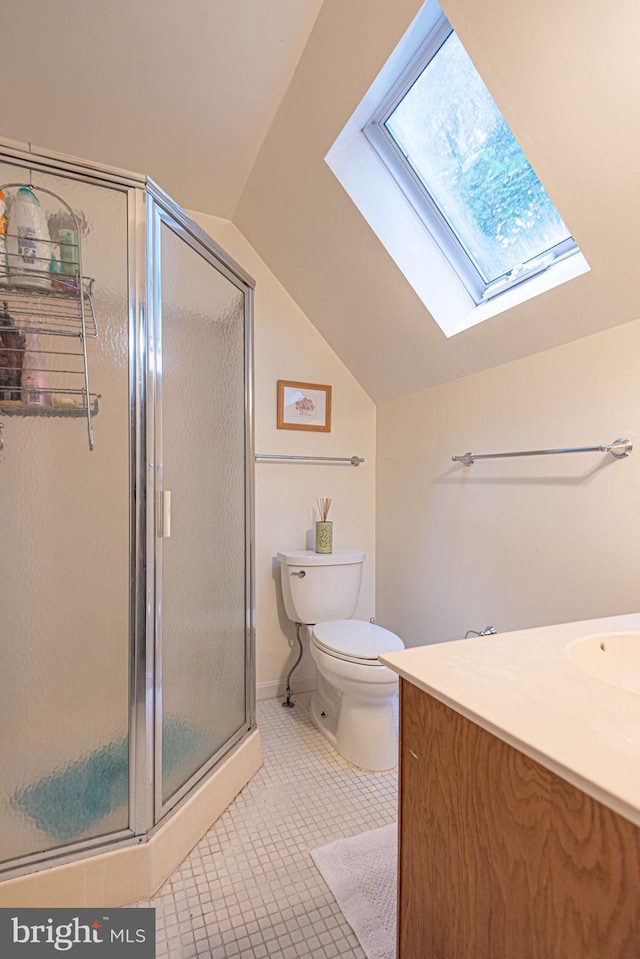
(147, 206)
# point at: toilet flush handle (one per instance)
(299, 572)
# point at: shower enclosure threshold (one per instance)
(136, 872)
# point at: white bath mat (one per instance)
(361, 873)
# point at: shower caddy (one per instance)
(62, 307)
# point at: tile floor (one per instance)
(250, 889)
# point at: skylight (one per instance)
(458, 144)
(451, 158)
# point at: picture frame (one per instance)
(304, 406)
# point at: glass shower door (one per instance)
(201, 505)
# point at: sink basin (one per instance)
(612, 658)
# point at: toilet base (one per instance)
(363, 735)
(324, 720)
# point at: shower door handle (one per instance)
(164, 514)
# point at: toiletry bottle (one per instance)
(12, 346)
(69, 258)
(28, 242)
(54, 270)
(33, 374)
(4, 263)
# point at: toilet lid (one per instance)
(355, 639)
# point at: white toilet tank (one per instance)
(319, 587)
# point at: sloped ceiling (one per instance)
(231, 105)
(181, 90)
(567, 78)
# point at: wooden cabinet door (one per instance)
(499, 857)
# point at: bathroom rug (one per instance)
(361, 872)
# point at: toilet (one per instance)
(353, 702)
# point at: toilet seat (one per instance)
(355, 641)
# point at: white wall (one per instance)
(288, 347)
(520, 542)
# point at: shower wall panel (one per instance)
(64, 574)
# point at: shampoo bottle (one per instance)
(28, 244)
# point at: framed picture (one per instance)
(304, 406)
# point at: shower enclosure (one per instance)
(126, 610)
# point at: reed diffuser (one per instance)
(324, 527)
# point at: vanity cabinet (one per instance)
(500, 858)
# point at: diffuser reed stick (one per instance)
(323, 508)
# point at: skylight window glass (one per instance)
(458, 144)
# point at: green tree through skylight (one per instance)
(461, 148)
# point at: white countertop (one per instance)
(521, 687)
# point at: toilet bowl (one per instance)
(353, 703)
